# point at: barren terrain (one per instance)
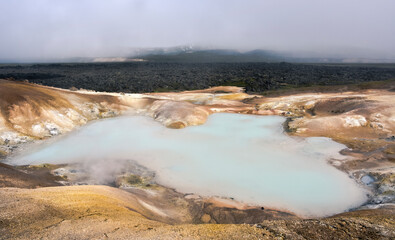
(34, 205)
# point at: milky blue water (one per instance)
(245, 157)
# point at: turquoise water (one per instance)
(245, 157)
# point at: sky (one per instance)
(112, 28)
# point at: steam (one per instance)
(101, 170)
(241, 156)
(99, 28)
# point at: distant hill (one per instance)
(208, 56)
(196, 55)
(189, 54)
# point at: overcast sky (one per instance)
(90, 28)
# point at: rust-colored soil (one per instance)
(12, 177)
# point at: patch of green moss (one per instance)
(133, 179)
(3, 154)
(44, 165)
(389, 179)
(176, 125)
(286, 126)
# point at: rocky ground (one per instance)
(33, 205)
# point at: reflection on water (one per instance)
(245, 157)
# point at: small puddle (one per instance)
(245, 157)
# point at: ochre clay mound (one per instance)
(38, 111)
(102, 212)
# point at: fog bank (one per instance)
(43, 29)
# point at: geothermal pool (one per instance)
(245, 157)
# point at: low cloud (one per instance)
(98, 28)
